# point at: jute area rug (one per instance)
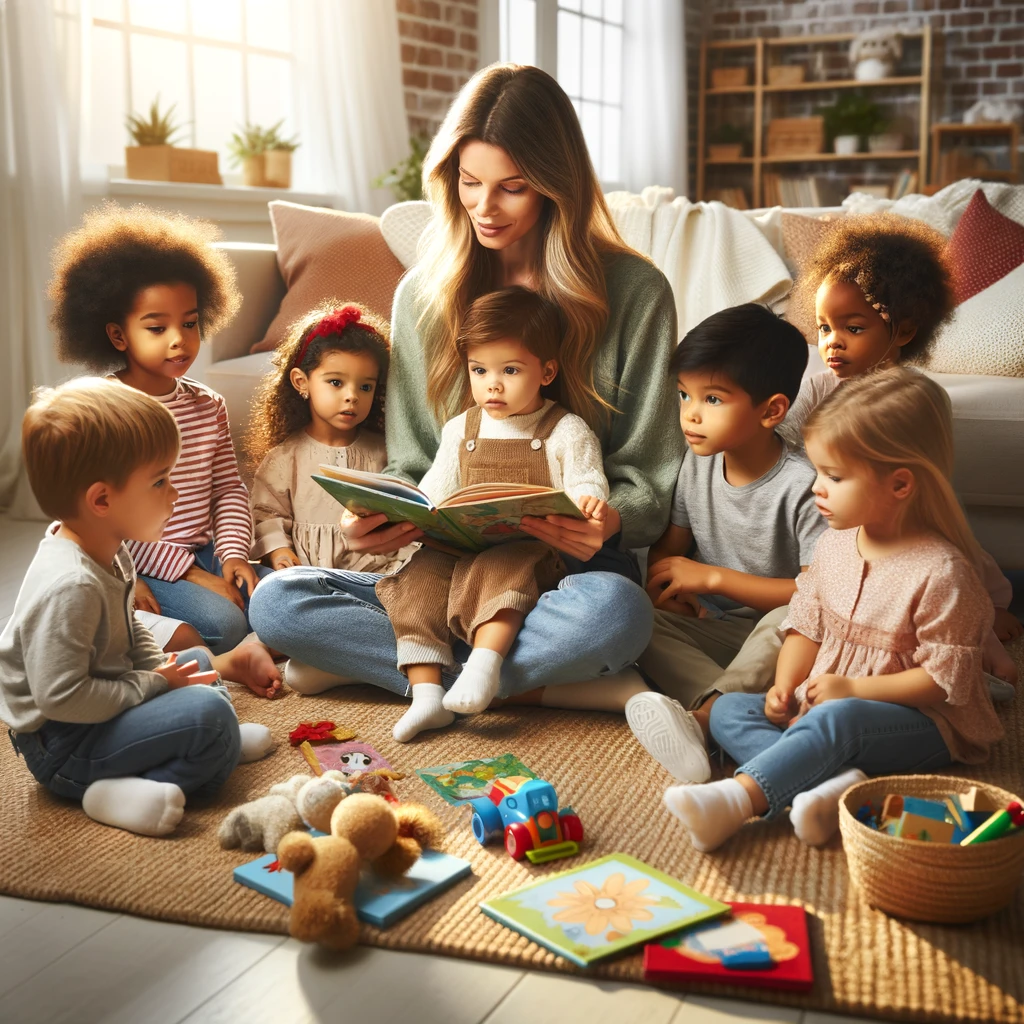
(865, 962)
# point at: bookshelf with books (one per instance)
(751, 88)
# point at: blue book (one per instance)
(379, 901)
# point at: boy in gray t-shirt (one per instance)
(743, 525)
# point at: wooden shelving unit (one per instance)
(757, 52)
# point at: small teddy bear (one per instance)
(874, 53)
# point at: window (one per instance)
(585, 41)
(221, 64)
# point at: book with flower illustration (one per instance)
(601, 908)
(472, 519)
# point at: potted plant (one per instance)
(851, 118)
(405, 179)
(155, 157)
(277, 160)
(265, 157)
(727, 142)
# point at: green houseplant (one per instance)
(405, 179)
(263, 154)
(852, 118)
(155, 156)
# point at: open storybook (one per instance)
(472, 519)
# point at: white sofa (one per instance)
(988, 411)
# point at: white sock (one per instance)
(605, 693)
(136, 805)
(427, 712)
(815, 814)
(712, 812)
(307, 679)
(256, 741)
(477, 684)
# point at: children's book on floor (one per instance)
(461, 781)
(756, 945)
(379, 901)
(472, 519)
(601, 908)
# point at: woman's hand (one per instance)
(578, 538)
(145, 601)
(283, 558)
(239, 571)
(222, 586)
(370, 536)
(828, 687)
(675, 576)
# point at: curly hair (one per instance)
(899, 261)
(278, 410)
(99, 268)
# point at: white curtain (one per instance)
(654, 96)
(350, 104)
(40, 199)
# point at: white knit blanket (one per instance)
(713, 256)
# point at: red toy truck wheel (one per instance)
(572, 827)
(518, 840)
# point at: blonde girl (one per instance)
(516, 202)
(881, 669)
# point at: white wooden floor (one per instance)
(66, 963)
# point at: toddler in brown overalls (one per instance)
(512, 434)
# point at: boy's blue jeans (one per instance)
(187, 736)
(876, 737)
(595, 623)
(221, 624)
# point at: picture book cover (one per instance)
(459, 781)
(379, 902)
(601, 908)
(718, 951)
(348, 757)
(465, 522)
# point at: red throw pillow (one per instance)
(329, 254)
(984, 248)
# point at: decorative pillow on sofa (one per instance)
(986, 335)
(402, 225)
(325, 254)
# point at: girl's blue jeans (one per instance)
(595, 623)
(219, 622)
(876, 737)
(187, 736)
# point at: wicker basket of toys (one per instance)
(943, 883)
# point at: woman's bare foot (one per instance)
(251, 664)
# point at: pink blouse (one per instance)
(924, 607)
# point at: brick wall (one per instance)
(440, 50)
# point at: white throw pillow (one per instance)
(402, 226)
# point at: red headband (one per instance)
(334, 323)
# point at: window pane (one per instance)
(522, 31)
(591, 59)
(569, 5)
(106, 134)
(267, 24)
(220, 108)
(612, 64)
(221, 19)
(270, 91)
(611, 143)
(160, 69)
(591, 121)
(166, 14)
(592, 7)
(113, 10)
(613, 11)
(569, 52)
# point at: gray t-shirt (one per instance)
(765, 528)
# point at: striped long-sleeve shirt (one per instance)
(212, 500)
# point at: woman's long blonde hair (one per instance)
(524, 111)
(899, 418)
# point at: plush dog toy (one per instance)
(261, 824)
(366, 830)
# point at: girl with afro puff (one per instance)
(134, 291)
(879, 287)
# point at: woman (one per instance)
(516, 201)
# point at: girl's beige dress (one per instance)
(924, 607)
(291, 510)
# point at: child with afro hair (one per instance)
(134, 291)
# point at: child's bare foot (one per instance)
(251, 664)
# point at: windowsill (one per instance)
(137, 189)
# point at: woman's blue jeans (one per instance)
(595, 623)
(876, 737)
(187, 736)
(221, 624)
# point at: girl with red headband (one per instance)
(323, 402)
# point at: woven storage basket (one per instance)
(928, 881)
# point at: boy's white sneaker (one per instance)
(670, 734)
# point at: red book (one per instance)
(700, 954)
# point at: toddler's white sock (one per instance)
(136, 805)
(477, 684)
(605, 693)
(711, 812)
(815, 814)
(256, 742)
(427, 712)
(307, 679)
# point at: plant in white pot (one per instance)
(155, 157)
(850, 119)
(264, 156)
